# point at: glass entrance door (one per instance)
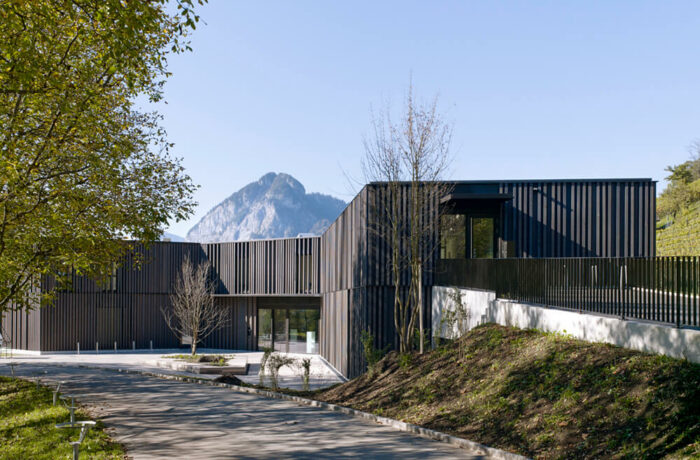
(264, 328)
(303, 331)
(292, 330)
(281, 326)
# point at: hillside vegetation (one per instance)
(678, 208)
(540, 395)
(680, 235)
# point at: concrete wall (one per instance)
(483, 307)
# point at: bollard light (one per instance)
(76, 450)
(57, 391)
(78, 347)
(84, 427)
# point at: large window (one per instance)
(482, 237)
(292, 330)
(467, 236)
(453, 236)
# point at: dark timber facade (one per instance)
(317, 294)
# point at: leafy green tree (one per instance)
(81, 167)
(683, 189)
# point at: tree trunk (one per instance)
(194, 343)
(420, 306)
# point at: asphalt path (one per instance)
(158, 418)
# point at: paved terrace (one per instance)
(158, 418)
(321, 375)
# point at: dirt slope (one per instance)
(540, 395)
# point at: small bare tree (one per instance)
(454, 322)
(194, 313)
(276, 362)
(411, 156)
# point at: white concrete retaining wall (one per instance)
(483, 307)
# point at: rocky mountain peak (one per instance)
(274, 206)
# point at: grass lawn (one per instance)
(27, 426)
(539, 395)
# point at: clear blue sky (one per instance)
(535, 89)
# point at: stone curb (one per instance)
(480, 449)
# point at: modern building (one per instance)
(317, 294)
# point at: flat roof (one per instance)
(529, 181)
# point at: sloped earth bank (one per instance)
(540, 395)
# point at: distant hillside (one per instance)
(679, 235)
(274, 206)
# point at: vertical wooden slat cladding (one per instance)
(356, 276)
(21, 329)
(344, 268)
(285, 266)
(127, 309)
(605, 218)
(578, 218)
(348, 267)
(334, 329)
(239, 333)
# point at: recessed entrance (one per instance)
(289, 329)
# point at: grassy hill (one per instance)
(540, 395)
(679, 236)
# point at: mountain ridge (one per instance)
(274, 206)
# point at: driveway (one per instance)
(157, 418)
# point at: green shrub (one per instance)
(405, 360)
(274, 363)
(372, 354)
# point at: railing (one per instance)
(658, 289)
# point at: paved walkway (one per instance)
(157, 418)
(322, 374)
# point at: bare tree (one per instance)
(411, 155)
(194, 313)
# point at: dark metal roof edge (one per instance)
(536, 181)
(289, 238)
(476, 196)
(268, 295)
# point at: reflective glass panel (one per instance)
(303, 331)
(453, 232)
(482, 237)
(280, 329)
(264, 328)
